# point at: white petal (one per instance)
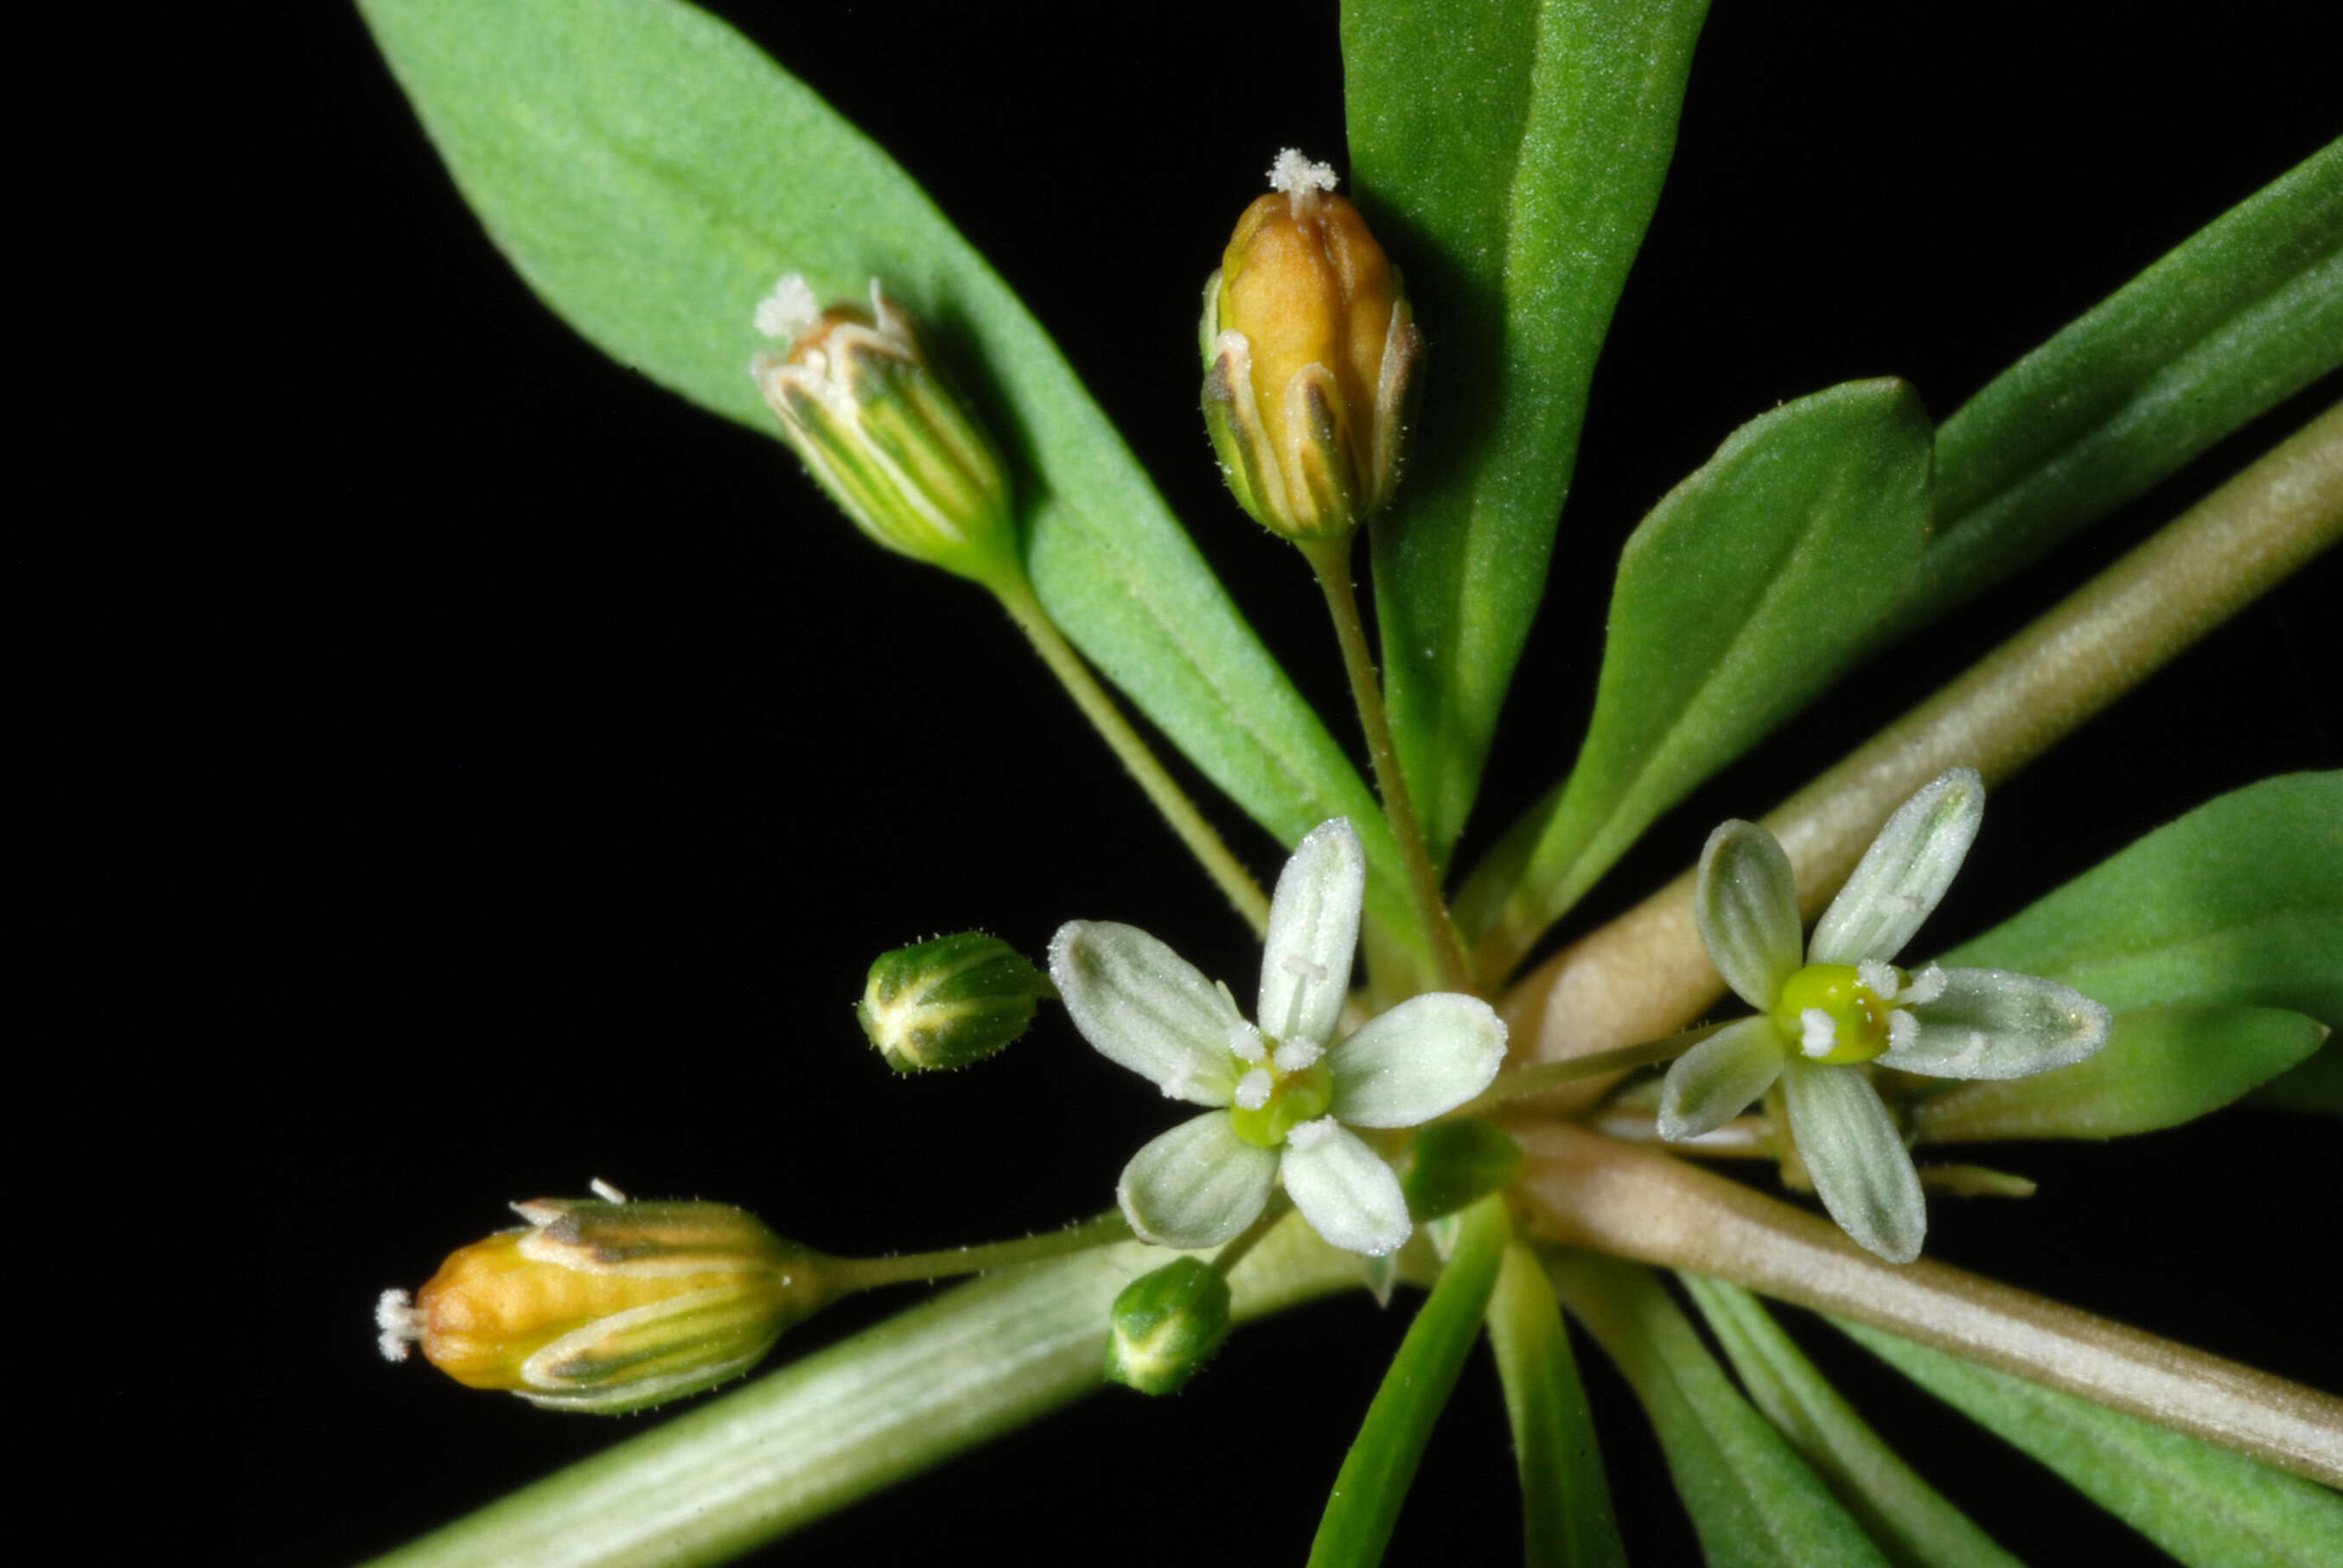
(1710, 1084)
(1313, 934)
(1857, 1159)
(1427, 1055)
(1748, 904)
(1143, 1007)
(1989, 1023)
(1343, 1189)
(1197, 1185)
(1904, 875)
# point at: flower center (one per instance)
(1828, 1014)
(1294, 1097)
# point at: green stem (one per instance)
(1017, 598)
(1331, 560)
(1584, 1190)
(1646, 972)
(1231, 1253)
(1542, 1076)
(868, 1273)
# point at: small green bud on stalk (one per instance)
(607, 1306)
(949, 1002)
(1166, 1325)
(1455, 1164)
(862, 405)
(1309, 356)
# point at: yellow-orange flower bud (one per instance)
(1309, 355)
(606, 1305)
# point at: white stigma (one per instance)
(1175, 1083)
(1821, 1034)
(1296, 1055)
(1925, 986)
(1311, 1135)
(1244, 1041)
(790, 309)
(1296, 174)
(605, 1191)
(1903, 1030)
(1876, 978)
(400, 1322)
(1252, 1090)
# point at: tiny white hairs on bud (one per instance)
(1821, 1033)
(1252, 1090)
(1296, 176)
(605, 1191)
(400, 1322)
(1877, 979)
(1925, 986)
(1311, 1135)
(790, 309)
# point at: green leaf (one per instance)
(2205, 1506)
(803, 1441)
(2240, 901)
(1753, 1502)
(1749, 589)
(1909, 1519)
(1566, 1516)
(1509, 154)
(2160, 1067)
(2244, 314)
(650, 174)
(2316, 1086)
(1373, 1481)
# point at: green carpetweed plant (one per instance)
(1429, 1093)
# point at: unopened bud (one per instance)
(1310, 353)
(608, 1306)
(949, 1002)
(1455, 1164)
(1166, 1325)
(862, 405)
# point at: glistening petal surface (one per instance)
(1427, 1055)
(1990, 1024)
(1748, 904)
(1313, 934)
(1197, 1185)
(1856, 1157)
(1904, 875)
(1143, 1007)
(1343, 1189)
(1712, 1082)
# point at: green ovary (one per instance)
(1858, 1017)
(1294, 1098)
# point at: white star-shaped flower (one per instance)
(1280, 1095)
(1825, 1005)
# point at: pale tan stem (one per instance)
(1647, 973)
(1584, 1190)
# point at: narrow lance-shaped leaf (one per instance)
(1751, 587)
(2205, 1506)
(1567, 1520)
(1375, 1474)
(2244, 313)
(650, 174)
(1753, 1502)
(2161, 1066)
(1510, 153)
(1909, 1519)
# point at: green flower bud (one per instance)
(1166, 1325)
(1455, 1164)
(608, 1306)
(1309, 355)
(863, 407)
(949, 1002)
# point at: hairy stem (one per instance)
(1331, 560)
(1588, 1192)
(866, 1273)
(1647, 973)
(1138, 759)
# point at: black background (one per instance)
(570, 760)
